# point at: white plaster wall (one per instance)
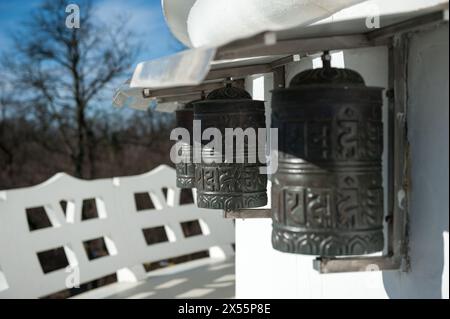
(262, 272)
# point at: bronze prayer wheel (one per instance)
(226, 185)
(327, 195)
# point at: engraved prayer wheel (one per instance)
(327, 195)
(185, 169)
(221, 183)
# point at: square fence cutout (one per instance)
(96, 248)
(89, 209)
(37, 218)
(53, 259)
(143, 201)
(191, 228)
(155, 235)
(186, 196)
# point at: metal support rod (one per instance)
(238, 72)
(286, 60)
(296, 46)
(401, 150)
(421, 22)
(352, 264)
(186, 90)
(391, 151)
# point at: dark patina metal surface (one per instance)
(185, 169)
(327, 196)
(230, 186)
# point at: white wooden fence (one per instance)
(119, 223)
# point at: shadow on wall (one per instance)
(428, 124)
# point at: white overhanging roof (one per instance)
(163, 83)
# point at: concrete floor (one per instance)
(206, 278)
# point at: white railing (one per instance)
(119, 223)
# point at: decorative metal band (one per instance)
(321, 201)
(328, 202)
(230, 186)
(185, 175)
(229, 178)
(231, 202)
(327, 243)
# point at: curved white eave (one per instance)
(190, 67)
(176, 13)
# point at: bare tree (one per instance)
(62, 72)
(6, 145)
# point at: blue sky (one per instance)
(146, 18)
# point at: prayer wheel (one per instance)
(223, 183)
(327, 194)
